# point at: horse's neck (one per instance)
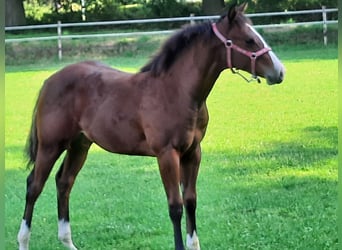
(199, 70)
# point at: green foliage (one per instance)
(42, 11)
(35, 13)
(170, 8)
(105, 10)
(282, 5)
(260, 6)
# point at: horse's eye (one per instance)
(250, 41)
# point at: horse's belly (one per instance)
(125, 146)
(123, 137)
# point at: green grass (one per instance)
(268, 178)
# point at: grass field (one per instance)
(268, 178)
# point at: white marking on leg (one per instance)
(23, 236)
(192, 243)
(64, 234)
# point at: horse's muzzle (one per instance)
(276, 78)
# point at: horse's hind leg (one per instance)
(72, 164)
(46, 157)
(189, 171)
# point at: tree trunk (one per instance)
(212, 7)
(15, 13)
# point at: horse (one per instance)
(160, 111)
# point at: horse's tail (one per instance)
(32, 140)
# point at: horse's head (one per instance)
(245, 47)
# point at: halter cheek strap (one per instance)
(252, 55)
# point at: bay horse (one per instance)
(160, 111)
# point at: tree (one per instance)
(15, 13)
(212, 7)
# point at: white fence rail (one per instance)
(60, 36)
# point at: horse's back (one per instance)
(85, 70)
(82, 78)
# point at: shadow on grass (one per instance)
(315, 146)
(283, 197)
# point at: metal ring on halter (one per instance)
(229, 43)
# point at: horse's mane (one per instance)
(175, 45)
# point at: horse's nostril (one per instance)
(281, 75)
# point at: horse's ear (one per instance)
(232, 13)
(242, 7)
(235, 9)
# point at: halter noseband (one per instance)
(252, 55)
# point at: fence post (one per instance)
(83, 10)
(59, 34)
(325, 26)
(192, 21)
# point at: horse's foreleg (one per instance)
(189, 171)
(169, 170)
(65, 178)
(45, 159)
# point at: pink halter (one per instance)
(252, 55)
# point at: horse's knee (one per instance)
(62, 184)
(176, 212)
(190, 203)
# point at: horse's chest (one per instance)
(170, 129)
